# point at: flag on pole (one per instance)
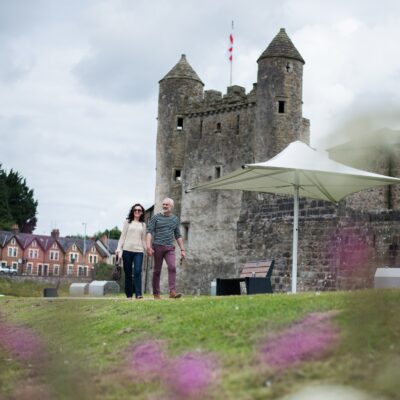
(230, 50)
(230, 54)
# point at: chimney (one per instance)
(104, 239)
(55, 233)
(15, 229)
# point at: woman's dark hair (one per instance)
(131, 216)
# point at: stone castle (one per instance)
(203, 135)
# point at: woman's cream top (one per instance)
(133, 237)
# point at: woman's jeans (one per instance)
(130, 258)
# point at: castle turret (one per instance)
(177, 89)
(279, 118)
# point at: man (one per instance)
(162, 229)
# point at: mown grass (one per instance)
(87, 342)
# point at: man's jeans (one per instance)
(166, 253)
(129, 258)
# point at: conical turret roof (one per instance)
(282, 46)
(182, 70)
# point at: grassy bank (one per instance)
(238, 347)
(27, 288)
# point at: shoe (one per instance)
(174, 295)
(157, 297)
(139, 298)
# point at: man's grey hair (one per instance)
(168, 200)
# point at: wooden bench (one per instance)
(256, 278)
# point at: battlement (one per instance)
(214, 102)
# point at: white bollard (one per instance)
(214, 288)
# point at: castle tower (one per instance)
(177, 89)
(279, 118)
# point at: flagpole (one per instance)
(230, 79)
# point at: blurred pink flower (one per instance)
(147, 359)
(308, 339)
(191, 375)
(20, 342)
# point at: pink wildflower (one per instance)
(191, 375)
(20, 342)
(308, 339)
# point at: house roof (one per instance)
(65, 243)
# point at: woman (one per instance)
(132, 246)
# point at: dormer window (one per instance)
(93, 249)
(34, 243)
(74, 247)
(179, 124)
(13, 241)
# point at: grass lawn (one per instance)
(236, 347)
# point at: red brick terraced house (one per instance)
(40, 255)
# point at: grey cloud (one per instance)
(116, 75)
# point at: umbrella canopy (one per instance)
(300, 171)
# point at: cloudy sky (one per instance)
(79, 85)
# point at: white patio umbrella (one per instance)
(300, 171)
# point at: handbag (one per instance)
(117, 270)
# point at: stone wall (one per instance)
(222, 145)
(338, 248)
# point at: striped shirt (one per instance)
(163, 229)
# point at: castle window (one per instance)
(218, 126)
(185, 230)
(179, 124)
(217, 171)
(237, 124)
(177, 175)
(289, 67)
(201, 128)
(281, 107)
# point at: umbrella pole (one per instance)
(295, 236)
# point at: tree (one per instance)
(113, 233)
(18, 199)
(6, 219)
